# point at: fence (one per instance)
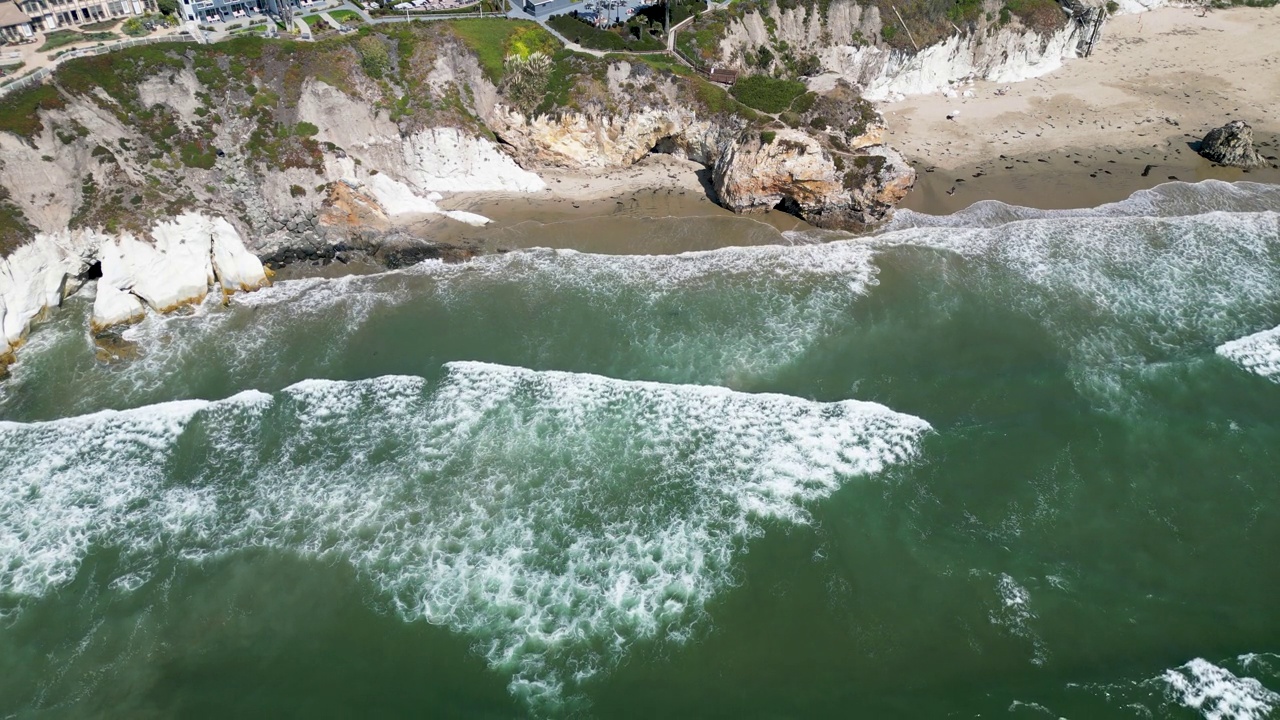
(40, 75)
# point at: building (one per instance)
(542, 8)
(53, 14)
(225, 10)
(15, 25)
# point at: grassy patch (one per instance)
(1043, 16)
(198, 154)
(14, 228)
(100, 26)
(346, 16)
(62, 38)
(18, 112)
(493, 39)
(771, 95)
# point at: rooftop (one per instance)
(10, 15)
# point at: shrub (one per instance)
(297, 191)
(771, 95)
(305, 129)
(196, 154)
(1043, 16)
(373, 56)
(767, 137)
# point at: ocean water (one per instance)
(1003, 463)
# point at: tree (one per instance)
(167, 7)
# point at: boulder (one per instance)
(1231, 144)
(235, 267)
(112, 306)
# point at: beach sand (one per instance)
(662, 204)
(1086, 134)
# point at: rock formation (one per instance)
(1231, 144)
(189, 173)
(844, 39)
(791, 171)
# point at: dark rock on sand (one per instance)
(1231, 144)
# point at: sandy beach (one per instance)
(662, 204)
(1101, 127)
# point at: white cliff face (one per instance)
(115, 307)
(579, 140)
(450, 160)
(842, 45)
(36, 277)
(1007, 56)
(177, 269)
(442, 159)
(1130, 7)
(236, 268)
(396, 198)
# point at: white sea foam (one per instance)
(1172, 199)
(1258, 353)
(1125, 294)
(1218, 693)
(554, 518)
(727, 317)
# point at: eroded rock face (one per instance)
(586, 139)
(1232, 144)
(791, 171)
(838, 174)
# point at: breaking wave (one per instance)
(726, 317)
(553, 518)
(1258, 353)
(1129, 288)
(1231, 689)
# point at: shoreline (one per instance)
(1157, 82)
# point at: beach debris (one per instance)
(1231, 144)
(952, 115)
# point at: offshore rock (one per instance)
(1231, 144)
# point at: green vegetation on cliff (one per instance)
(772, 95)
(215, 116)
(905, 25)
(14, 228)
(635, 35)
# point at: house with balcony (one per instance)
(15, 25)
(53, 14)
(206, 11)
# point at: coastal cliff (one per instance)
(204, 160)
(890, 50)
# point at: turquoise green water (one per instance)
(1002, 463)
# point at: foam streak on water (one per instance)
(554, 518)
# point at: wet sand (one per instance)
(1072, 177)
(678, 217)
